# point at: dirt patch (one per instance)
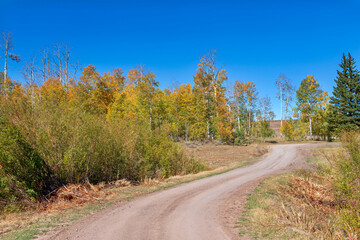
(216, 156)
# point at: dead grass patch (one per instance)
(291, 207)
(299, 205)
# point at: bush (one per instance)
(287, 129)
(43, 147)
(264, 130)
(24, 175)
(239, 137)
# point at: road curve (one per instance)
(188, 211)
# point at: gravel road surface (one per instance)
(203, 209)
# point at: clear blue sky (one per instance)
(255, 40)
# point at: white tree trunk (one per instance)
(310, 127)
(281, 104)
(208, 129)
(5, 66)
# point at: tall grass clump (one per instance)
(347, 182)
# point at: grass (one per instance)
(297, 205)
(28, 225)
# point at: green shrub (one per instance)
(239, 137)
(264, 130)
(24, 175)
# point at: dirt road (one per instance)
(202, 209)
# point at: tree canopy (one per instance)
(345, 102)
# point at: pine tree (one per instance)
(345, 102)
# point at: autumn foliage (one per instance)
(117, 125)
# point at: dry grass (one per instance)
(64, 198)
(300, 205)
(74, 194)
(290, 207)
(317, 196)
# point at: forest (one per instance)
(66, 124)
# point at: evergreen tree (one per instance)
(345, 103)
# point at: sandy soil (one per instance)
(204, 209)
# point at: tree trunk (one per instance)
(150, 117)
(281, 104)
(48, 64)
(310, 128)
(286, 107)
(249, 123)
(5, 67)
(186, 132)
(44, 70)
(208, 129)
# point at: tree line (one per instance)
(204, 110)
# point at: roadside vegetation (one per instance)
(310, 204)
(73, 201)
(322, 203)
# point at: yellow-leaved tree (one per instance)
(210, 95)
(311, 105)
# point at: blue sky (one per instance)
(255, 40)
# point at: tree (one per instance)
(288, 96)
(6, 47)
(245, 94)
(311, 101)
(280, 82)
(345, 102)
(45, 64)
(138, 100)
(209, 88)
(283, 83)
(264, 110)
(145, 85)
(83, 93)
(30, 74)
(61, 62)
(184, 109)
(264, 116)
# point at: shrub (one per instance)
(287, 129)
(43, 147)
(24, 175)
(264, 130)
(239, 137)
